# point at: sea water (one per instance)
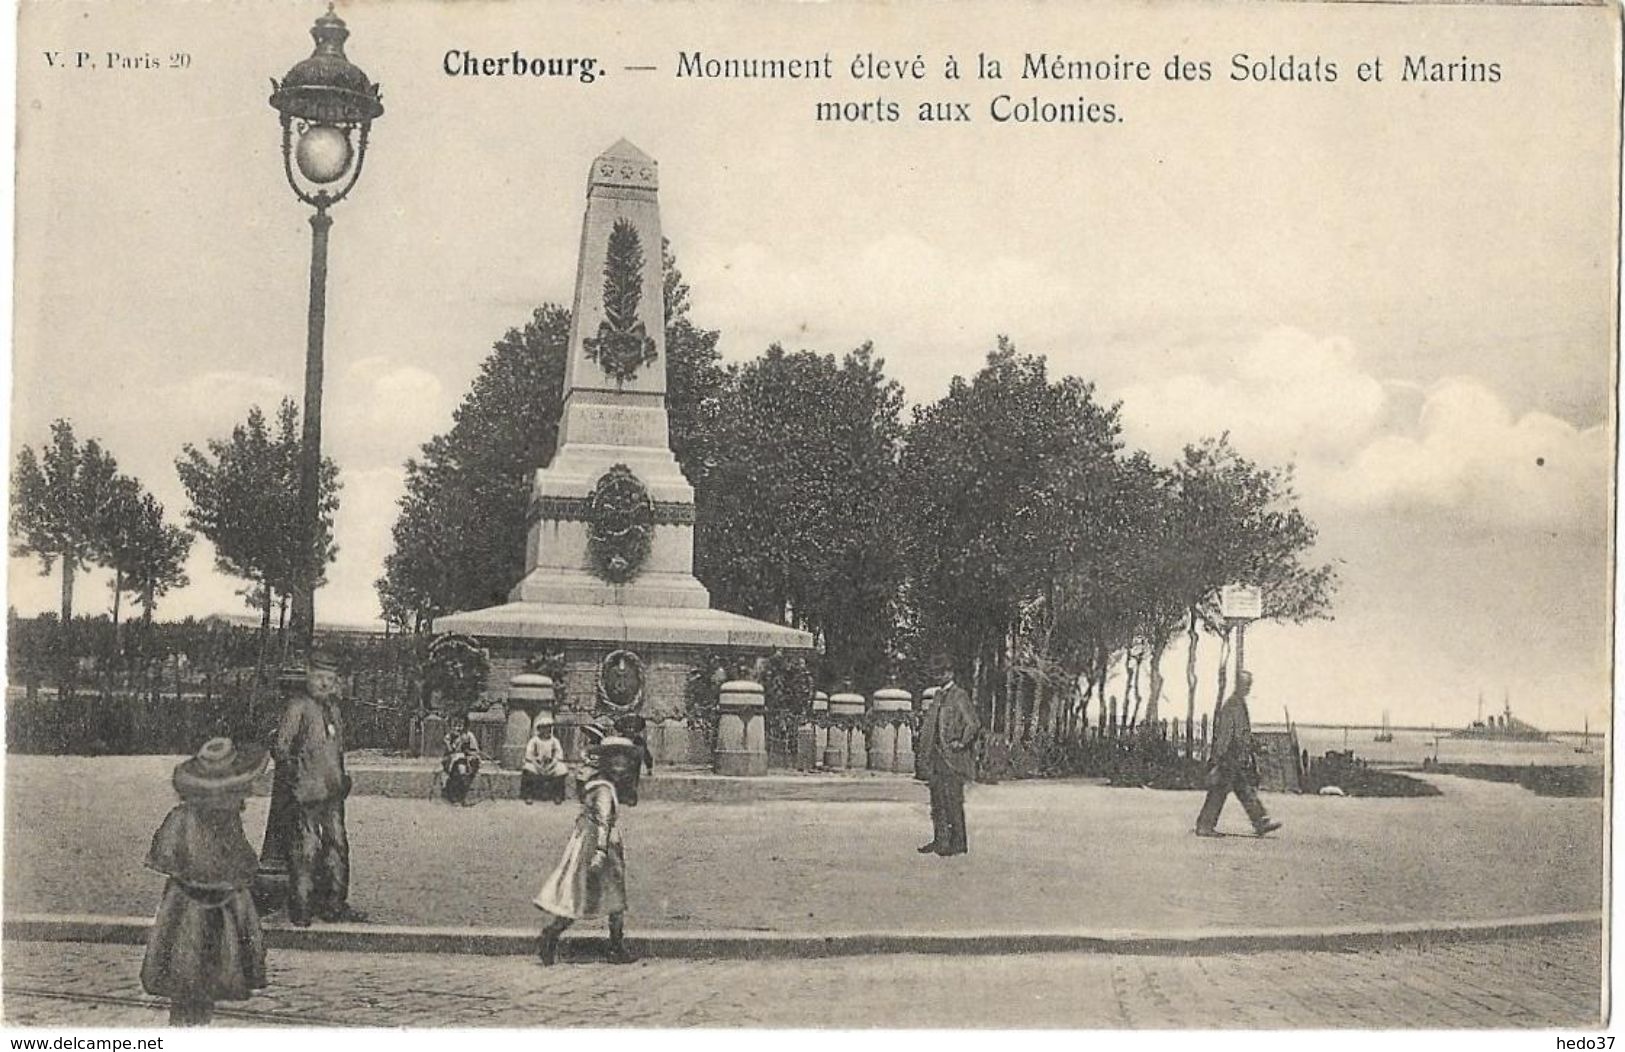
(1410, 747)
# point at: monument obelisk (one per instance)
(609, 561)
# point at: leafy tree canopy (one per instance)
(244, 493)
(797, 499)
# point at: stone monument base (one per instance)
(668, 644)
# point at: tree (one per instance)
(158, 560)
(147, 556)
(116, 539)
(999, 479)
(460, 534)
(244, 494)
(797, 500)
(59, 508)
(1243, 526)
(1107, 594)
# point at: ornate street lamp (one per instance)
(327, 107)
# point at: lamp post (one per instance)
(327, 106)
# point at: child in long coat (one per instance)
(590, 880)
(206, 944)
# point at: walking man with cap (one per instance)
(310, 742)
(948, 741)
(1233, 768)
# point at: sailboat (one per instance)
(1585, 738)
(1386, 734)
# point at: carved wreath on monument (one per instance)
(620, 683)
(620, 520)
(622, 345)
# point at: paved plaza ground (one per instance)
(1529, 982)
(1045, 856)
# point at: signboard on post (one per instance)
(1241, 602)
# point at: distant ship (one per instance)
(1387, 733)
(1503, 728)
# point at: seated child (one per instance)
(461, 761)
(543, 773)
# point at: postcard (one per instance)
(771, 515)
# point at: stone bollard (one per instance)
(905, 749)
(529, 695)
(844, 737)
(514, 737)
(890, 722)
(820, 708)
(857, 748)
(741, 729)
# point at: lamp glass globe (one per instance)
(323, 153)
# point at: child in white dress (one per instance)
(590, 880)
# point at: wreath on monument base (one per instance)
(620, 522)
(620, 683)
(456, 671)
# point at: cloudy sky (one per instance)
(1406, 290)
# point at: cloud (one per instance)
(1286, 396)
(1470, 458)
(378, 412)
(1365, 445)
(931, 312)
(367, 509)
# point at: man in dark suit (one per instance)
(310, 743)
(948, 741)
(1233, 768)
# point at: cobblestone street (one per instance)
(1520, 982)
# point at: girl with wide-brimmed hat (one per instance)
(590, 880)
(206, 944)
